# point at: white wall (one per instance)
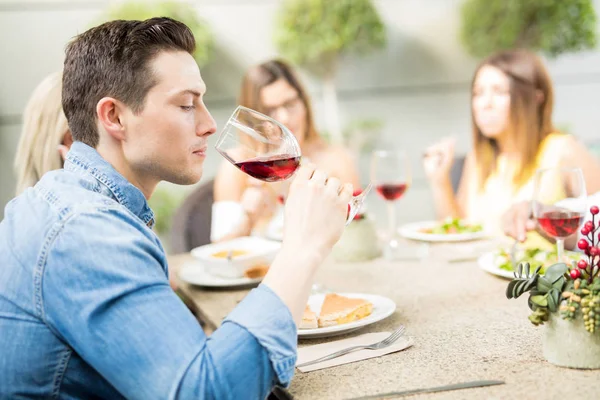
(418, 86)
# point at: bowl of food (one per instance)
(233, 258)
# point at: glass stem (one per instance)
(392, 218)
(560, 249)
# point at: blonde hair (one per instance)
(44, 126)
(530, 116)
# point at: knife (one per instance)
(457, 386)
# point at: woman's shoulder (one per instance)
(557, 143)
(558, 138)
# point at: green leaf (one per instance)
(543, 284)
(553, 300)
(556, 271)
(559, 284)
(540, 300)
(510, 292)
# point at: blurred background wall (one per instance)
(418, 86)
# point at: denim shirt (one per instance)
(86, 310)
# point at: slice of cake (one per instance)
(338, 310)
(309, 319)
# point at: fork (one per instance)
(388, 341)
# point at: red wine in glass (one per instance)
(270, 169)
(391, 191)
(560, 224)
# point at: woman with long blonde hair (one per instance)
(513, 135)
(45, 136)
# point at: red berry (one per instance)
(583, 244)
(356, 192)
(585, 231)
(575, 273)
(589, 226)
(594, 210)
(594, 251)
(582, 264)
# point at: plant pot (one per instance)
(359, 242)
(568, 344)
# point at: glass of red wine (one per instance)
(391, 176)
(559, 203)
(265, 149)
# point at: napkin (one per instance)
(309, 353)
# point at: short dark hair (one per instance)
(113, 60)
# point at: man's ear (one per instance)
(110, 113)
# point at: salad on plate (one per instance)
(452, 226)
(534, 256)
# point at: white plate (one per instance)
(413, 231)
(382, 308)
(196, 273)
(489, 263)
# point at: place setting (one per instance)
(332, 314)
(237, 263)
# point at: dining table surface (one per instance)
(463, 327)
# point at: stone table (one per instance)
(463, 326)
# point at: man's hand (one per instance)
(438, 159)
(315, 211)
(315, 217)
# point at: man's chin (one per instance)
(191, 178)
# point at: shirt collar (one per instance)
(83, 158)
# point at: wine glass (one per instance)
(391, 175)
(265, 149)
(559, 203)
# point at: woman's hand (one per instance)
(438, 159)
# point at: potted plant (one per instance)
(316, 33)
(359, 241)
(551, 27)
(567, 300)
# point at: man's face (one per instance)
(167, 140)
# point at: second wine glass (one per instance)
(559, 203)
(391, 176)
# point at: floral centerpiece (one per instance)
(359, 241)
(566, 298)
